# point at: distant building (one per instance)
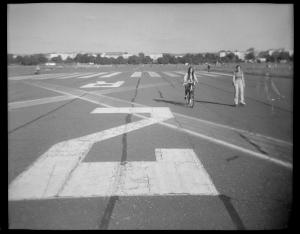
(222, 53)
(50, 64)
(115, 55)
(240, 54)
(155, 56)
(262, 60)
(64, 56)
(178, 55)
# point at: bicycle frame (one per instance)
(190, 94)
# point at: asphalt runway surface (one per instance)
(117, 148)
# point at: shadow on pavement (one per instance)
(171, 102)
(217, 103)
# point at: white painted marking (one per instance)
(112, 74)
(181, 175)
(15, 105)
(93, 75)
(48, 176)
(229, 145)
(72, 75)
(171, 74)
(103, 84)
(206, 74)
(218, 73)
(153, 74)
(43, 76)
(136, 74)
(234, 129)
(181, 72)
(223, 143)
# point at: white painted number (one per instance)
(60, 172)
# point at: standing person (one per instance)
(208, 67)
(37, 70)
(239, 85)
(190, 75)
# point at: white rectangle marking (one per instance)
(154, 74)
(136, 74)
(163, 177)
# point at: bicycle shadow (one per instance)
(170, 102)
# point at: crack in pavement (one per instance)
(121, 171)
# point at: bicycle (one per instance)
(190, 94)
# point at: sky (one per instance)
(148, 28)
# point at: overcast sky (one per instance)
(149, 28)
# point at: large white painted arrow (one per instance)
(103, 84)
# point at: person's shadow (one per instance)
(183, 103)
(216, 103)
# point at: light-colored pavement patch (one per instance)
(153, 74)
(15, 105)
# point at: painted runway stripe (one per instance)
(205, 74)
(171, 74)
(234, 129)
(219, 73)
(93, 75)
(180, 72)
(112, 74)
(153, 74)
(212, 139)
(35, 76)
(15, 105)
(136, 74)
(74, 75)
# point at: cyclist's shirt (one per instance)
(187, 78)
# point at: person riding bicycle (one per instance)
(189, 78)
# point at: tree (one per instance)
(69, 60)
(10, 59)
(250, 56)
(57, 59)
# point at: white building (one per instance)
(115, 55)
(64, 56)
(240, 54)
(155, 56)
(222, 53)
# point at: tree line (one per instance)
(142, 59)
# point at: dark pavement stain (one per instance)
(108, 212)
(232, 158)
(42, 116)
(160, 94)
(113, 199)
(232, 212)
(253, 144)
